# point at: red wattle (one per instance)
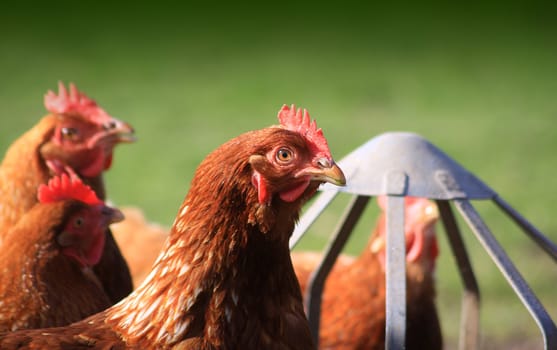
(95, 167)
(416, 248)
(259, 183)
(93, 256)
(108, 162)
(295, 192)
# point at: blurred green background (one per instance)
(477, 80)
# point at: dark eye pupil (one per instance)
(69, 132)
(284, 155)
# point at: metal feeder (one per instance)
(404, 164)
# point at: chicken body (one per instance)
(18, 188)
(45, 275)
(224, 279)
(70, 142)
(353, 301)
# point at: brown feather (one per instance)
(18, 188)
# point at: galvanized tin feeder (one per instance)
(405, 164)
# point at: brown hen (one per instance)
(353, 302)
(77, 137)
(45, 270)
(224, 279)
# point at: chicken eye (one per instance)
(78, 222)
(70, 133)
(284, 155)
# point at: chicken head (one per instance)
(420, 218)
(82, 237)
(84, 136)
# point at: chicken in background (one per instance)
(140, 242)
(45, 270)
(353, 301)
(77, 137)
(224, 279)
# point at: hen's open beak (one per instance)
(326, 171)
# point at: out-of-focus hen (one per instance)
(77, 137)
(45, 270)
(140, 242)
(224, 279)
(353, 302)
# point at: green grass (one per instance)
(479, 82)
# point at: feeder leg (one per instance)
(317, 279)
(395, 329)
(470, 317)
(313, 212)
(538, 237)
(505, 265)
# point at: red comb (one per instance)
(63, 187)
(295, 120)
(74, 102)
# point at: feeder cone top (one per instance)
(406, 164)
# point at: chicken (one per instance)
(45, 270)
(140, 242)
(224, 279)
(77, 137)
(353, 302)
